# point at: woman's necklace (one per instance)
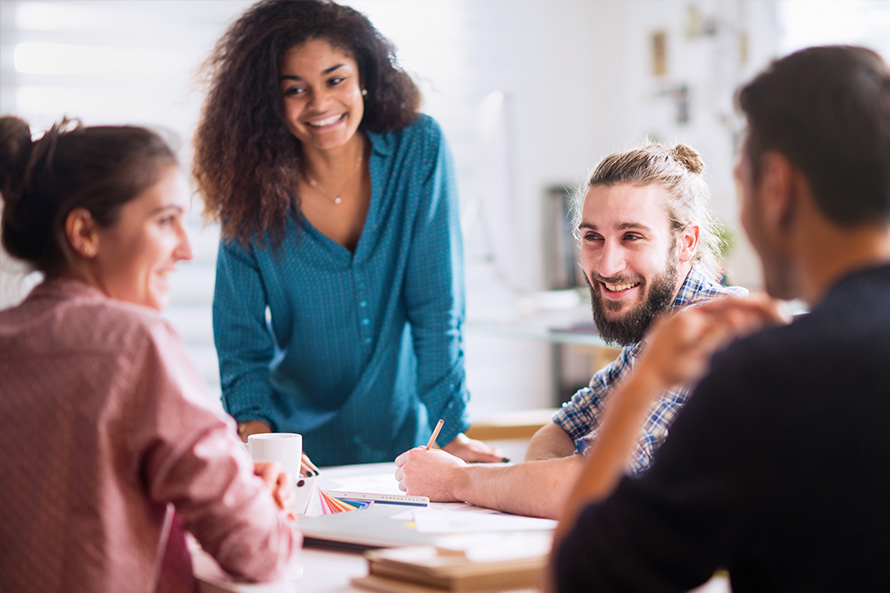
(338, 198)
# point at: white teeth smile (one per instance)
(618, 287)
(324, 122)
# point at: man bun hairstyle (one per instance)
(688, 158)
(678, 170)
(71, 166)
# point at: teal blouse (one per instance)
(360, 352)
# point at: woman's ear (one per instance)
(687, 242)
(82, 233)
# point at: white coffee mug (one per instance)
(284, 447)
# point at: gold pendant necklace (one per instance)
(336, 199)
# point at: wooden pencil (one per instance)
(435, 433)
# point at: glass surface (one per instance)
(555, 316)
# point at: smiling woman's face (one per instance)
(135, 256)
(321, 94)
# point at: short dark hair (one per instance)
(246, 161)
(71, 166)
(827, 110)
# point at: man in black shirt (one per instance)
(776, 469)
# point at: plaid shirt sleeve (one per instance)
(581, 416)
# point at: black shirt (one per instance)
(777, 470)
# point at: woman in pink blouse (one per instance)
(111, 447)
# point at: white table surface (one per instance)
(326, 570)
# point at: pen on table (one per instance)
(435, 433)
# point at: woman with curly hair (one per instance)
(339, 294)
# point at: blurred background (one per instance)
(530, 93)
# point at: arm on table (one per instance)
(549, 442)
(536, 488)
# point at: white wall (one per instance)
(710, 55)
(575, 81)
(533, 53)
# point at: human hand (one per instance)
(429, 472)
(245, 429)
(679, 347)
(278, 483)
(307, 468)
(472, 450)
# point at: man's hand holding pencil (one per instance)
(435, 473)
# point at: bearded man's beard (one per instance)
(633, 325)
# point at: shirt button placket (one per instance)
(363, 311)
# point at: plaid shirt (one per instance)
(581, 416)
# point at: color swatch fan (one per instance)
(312, 501)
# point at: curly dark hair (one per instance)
(246, 162)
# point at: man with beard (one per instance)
(647, 246)
(776, 469)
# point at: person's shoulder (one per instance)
(418, 142)
(125, 323)
(424, 124)
(422, 128)
(92, 319)
(782, 351)
(858, 293)
(699, 286)
(733, 291)
(852, 317)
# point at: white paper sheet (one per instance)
(445, 521)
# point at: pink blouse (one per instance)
(111, 448)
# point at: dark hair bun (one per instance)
(15, 148)
(99, 168)
(688, 158)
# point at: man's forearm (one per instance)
(535, 488)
